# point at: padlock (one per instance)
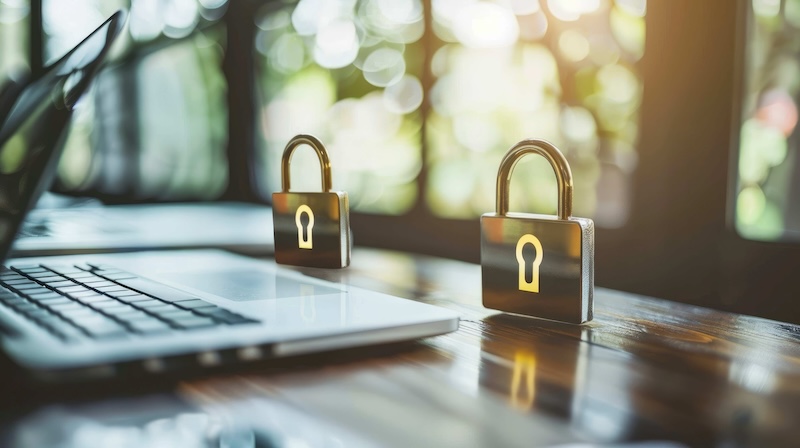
(538, 265)
(311, 229)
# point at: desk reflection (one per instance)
(554, 368)
(165, 420)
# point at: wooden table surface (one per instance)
(644, 372)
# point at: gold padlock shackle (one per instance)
(557, 161)
(322, 154)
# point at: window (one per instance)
(768, 193)
(350, 74)
(154, 125)
(14, 16)
(418, 101)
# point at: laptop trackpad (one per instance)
(246, 285)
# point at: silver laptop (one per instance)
(90, 227)
(82, 316)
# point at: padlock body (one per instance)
(326, 244)
(565, 269)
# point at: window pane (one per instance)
(561, 71)
(67, 22)
(155, 124)
(348, 73)
(768, 195)
(13, 36)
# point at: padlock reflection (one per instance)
(523, 381)
(311, 229)
(535, 367)
(555, 282)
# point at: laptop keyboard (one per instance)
(73, 302)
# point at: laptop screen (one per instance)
(31, 136)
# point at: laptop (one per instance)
(90, 227)
(80, 317)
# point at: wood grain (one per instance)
(643, 370)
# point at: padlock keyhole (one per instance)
(528, 283)
(528, 255)
(304, 220)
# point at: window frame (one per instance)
(680, 241)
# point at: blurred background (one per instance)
(678, 118)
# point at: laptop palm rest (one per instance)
(247, 285)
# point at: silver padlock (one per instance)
(311, 228)
(557, 281)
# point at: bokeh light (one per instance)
(14, 20)
(566, 76)
(348, 72)
(767, 201)
(501, 71)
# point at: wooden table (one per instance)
(643, 370)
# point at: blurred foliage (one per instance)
(768, 200)
(560, 71)
(501, 71)
(349, 73)
(14, 22)
(154, 125)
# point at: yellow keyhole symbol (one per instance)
(533, 285)
(523, 380)
(307, 242)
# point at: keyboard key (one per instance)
(30, 269)
(189, 304)
(206, 309)
(116, 275)
(194, 322)
(65, 270)
(68, 333)
(39, 314)
(149, 303)
(105, 304)
(113, 288)
(80, 312)
(40, 274)
(65, 306)
(124, 293)
(11, 300)
(118, 308)
(26, 307)
(149, 326)
(31, 290)
(56, 301)
(86, 293)
(21, 281)
(134, 299)
(92, 299)
(49, 278)
(62, 284)
(98, 283)
(93, 320)
(171, 313)
(74, 288)
(106, 330)
(164, 310)
(47, 294)
(131, 315)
